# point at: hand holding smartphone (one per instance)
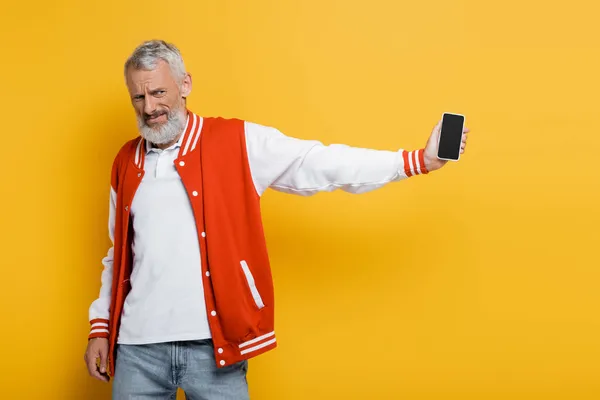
(450, 137)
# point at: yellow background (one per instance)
(479, 281)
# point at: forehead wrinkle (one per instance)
(145, 86)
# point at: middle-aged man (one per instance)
(187, 296)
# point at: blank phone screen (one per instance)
(451, 136)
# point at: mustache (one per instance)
(154, 114)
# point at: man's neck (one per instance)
(167, 145)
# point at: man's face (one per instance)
(158, 102)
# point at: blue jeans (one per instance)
(155, 371)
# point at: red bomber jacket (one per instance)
(217, 178)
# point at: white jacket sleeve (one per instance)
(99, 309)
(306, 167)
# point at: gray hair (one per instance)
(147, 55)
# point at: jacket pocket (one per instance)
(250, 280)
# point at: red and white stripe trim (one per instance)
(258, 343)
(414, 163)
(99, 328)
(192, 138)
(139, 156)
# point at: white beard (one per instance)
(164, 133)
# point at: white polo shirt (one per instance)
(166, 301)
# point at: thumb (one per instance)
(437, 130)
(103, 359)
(432, 142)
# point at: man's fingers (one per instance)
(93, 368)
(91, 365)
(464, 140)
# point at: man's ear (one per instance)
(186, 86)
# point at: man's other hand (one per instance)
(97, 349)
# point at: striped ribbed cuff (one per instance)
(99, 328)
(257, 343)
(414, 162)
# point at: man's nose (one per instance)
(149, 105)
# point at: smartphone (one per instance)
(451, 136)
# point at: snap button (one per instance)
(213, 313)
(182, 163)
(207, 273)
(203, 234)
(139, 174)
(195, 193)
(222, 362)
(126, 208)
(220, 351)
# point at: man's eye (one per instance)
(138, 98)
(159, 92)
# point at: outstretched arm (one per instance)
(306, 167)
